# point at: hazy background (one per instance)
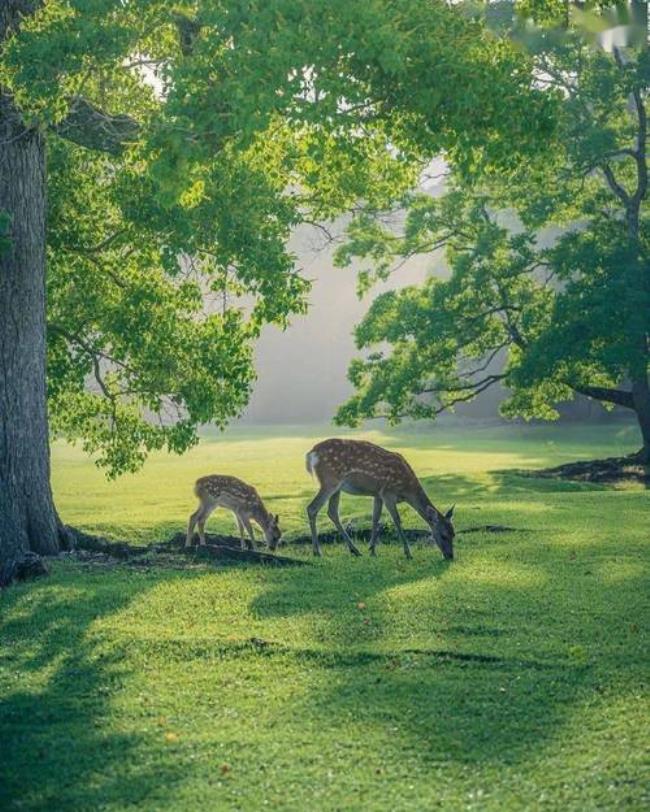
(302, 371)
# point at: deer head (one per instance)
(442, 530)
(272, 531)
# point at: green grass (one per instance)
(515, 677)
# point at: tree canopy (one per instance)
(548, 291)
(186, 141)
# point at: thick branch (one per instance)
(92, 128)
(617, 396)
(615, 186)
(100, 246)
(12, 13)
(642, 167)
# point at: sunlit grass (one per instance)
(461, 462)
(515, 677)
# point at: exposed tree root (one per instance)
(218, 548)
(226, 548)
(29, 565)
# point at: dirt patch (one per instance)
(91, 548)
(94, 549)
(613, 470)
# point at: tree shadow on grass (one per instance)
(58, 748)
(494, 673)
(457, 486)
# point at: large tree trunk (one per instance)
(641, 397)
(28, 520)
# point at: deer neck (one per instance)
(261, 515)
(420, 502)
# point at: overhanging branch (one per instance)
(617, 396)
(474, 387)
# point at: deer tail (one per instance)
(310, 462)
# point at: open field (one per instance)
(516, 677)
(458, 464)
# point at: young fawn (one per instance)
(358, 467)
(243, 500)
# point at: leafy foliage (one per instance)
(186, 141)
(548, 290)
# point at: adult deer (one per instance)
(243, 500)
(358, 467)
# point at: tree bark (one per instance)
(28, 520)
(641, 397)
(618, 396)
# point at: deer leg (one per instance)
(333, 513)
(191, 524)
(313, 509)
(240, 525)
(249, 529)
(202, 519)
(376, 515)
(392, 509)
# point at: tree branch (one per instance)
(614, 185)
(640, 153)
(617, 396)
(474, 387)
(188, 31)
(90, 127)
(95, 249)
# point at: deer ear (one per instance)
(450, 512)
(277, 518)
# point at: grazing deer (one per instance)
(244, 501)
(363, 468)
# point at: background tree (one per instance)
(546, 322)
(202, 131)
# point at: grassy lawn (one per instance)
(515, 677)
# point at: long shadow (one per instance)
(56, 751)
(457, 486)
(478, 673)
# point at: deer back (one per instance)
(346, 459)
(228, 491)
